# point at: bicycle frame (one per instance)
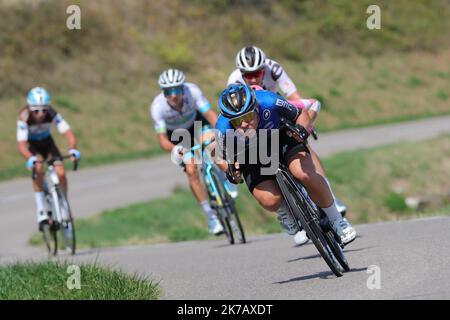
(51, 184)
(208, 168)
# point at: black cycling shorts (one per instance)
(288, 147)
(45, 148)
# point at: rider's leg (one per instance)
(302, 167)
(320, 169)
(61, 172)
(268, 195)
(38, 187)
(200, 194)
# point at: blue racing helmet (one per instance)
(38, 97)
(236, 100)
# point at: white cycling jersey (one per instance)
(29, 130)
(274, 77)
(167, 118)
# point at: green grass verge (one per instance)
(48, 280)
(174, 218)
(373, 183)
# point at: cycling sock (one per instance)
(332, 212)
(40, 199)
(331, 189)
(207, 208)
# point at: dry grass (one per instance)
(104, 77)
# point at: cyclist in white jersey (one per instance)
(255, 69)
(36, 143)
(181, 115)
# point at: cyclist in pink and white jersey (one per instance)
(255, 69)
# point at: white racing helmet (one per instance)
(250, 59)
(171, 78)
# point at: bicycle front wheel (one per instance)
(234, 221)
(67, 225)
(50, 239)
(312, 227)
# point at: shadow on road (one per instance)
(258, 239)
(318, 255)
(322, 275)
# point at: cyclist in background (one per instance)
(36, 144)
(177, 107)
(255, 69)
(244, 114)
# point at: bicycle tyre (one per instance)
(67, 227)
(337, 250)
(232, 216)
(235, 221)
(313, 230)
(50, 239)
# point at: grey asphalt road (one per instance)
(411, 259)
(96, 189)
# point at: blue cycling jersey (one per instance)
(271, 107)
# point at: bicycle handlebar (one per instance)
(203, 145)
(51, 161)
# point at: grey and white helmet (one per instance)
(250, 59)
(171, 78)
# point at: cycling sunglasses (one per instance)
(254, 74)
(173, 91)
(39, 109)
(247, 117)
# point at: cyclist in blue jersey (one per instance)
(246, 115)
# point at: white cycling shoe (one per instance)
(344, 230)
(286, 221)
(214, 225)
(301, 238)
(341, 207)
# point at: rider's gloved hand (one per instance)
(75, 153)
(177, 154)
(234, 174)
(31, 162)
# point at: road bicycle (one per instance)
(59, 215)
(219, 198)
(310, 217)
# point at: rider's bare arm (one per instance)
(23, 149)
(294, 96)
(211, 116)
(165, 143)
(72, 140)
